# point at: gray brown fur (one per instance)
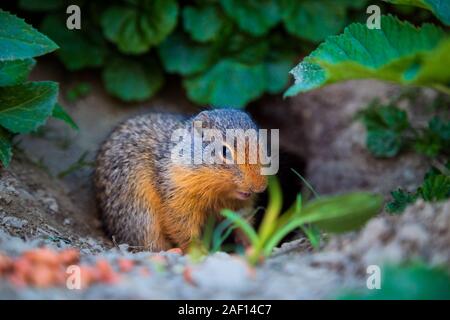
(142, 145)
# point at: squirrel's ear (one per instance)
(203, 118)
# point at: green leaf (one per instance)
(242, 224)
(59, 113)
(5, 147)
(385, 125)
(428, 143)
(181, 55)
(277, 69)
(268, 223)
(136, 28)
(227, 84)
(131, 80)
(314, 20)
(14, 72)
(256, 17)
(434, 139)
(440, 8)
(435, 188)
(19, 40)
(397, 52)
(41, 5)
(385, 117)
(79, 48)
(246, 49)
(25, 107)
(313, 234)
(384, 143)
(78, 91)
(203, 23)
(440, 127)
(342, 212)
(401, 199)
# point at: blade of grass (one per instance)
(293, 211)
(308, 185)
(241, 223)
(208, 232)
(273, 210)
(222, 231)
(313, 235)
(282, 232)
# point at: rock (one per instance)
(421, 232)
(320, 127)
(223, 273)
(14, 222)
(33, 199)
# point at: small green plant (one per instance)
(334, 214)
(389, 132)
(24, 105)
(77, 165)
(78, 91)
(435, 187)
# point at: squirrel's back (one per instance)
(132, 153)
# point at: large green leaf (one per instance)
(14, 72)
(25, 107)
(79, 48)
(343, 212)
(228, 83)
(131, 80)
(440, 8)
(138, 25)
(203, 23)
(314, 20)
(5, 147)
(256, 17)
(181, 55)
(397, 52)
(19, 40)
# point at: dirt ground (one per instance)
(318, 136)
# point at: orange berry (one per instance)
(41, 276)
(187, 275)
(106, 272)
(125, 265)
(176, 251)
(69, 256)
(42, 255)
(6, 263)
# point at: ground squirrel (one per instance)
(148, 200)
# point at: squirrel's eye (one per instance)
(226, 153)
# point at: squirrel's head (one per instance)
(239, 175)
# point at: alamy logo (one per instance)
(374, 20)
(74, 20)
(374, 278)
(236, 146)
(73, 281)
